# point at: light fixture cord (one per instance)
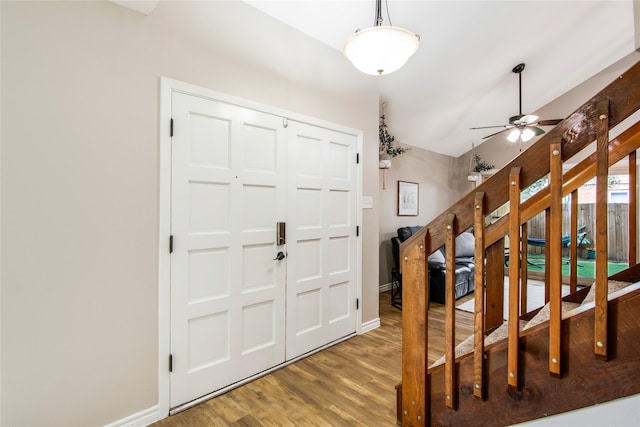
(386, 3)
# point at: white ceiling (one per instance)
(461, 75)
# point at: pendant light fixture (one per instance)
(380, 49)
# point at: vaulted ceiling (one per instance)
(461, 75)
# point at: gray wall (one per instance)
(432, 172)
(79, 176)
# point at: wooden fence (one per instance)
(618, 229)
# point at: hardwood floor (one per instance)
(352, 383)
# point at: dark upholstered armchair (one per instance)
(396, 278)
(465, 268)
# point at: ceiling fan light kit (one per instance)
(523, 126)
(526, 135)
(380, 50)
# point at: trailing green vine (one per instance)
(387, 148)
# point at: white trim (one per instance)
(164, 264)
(384, 288)
(256, 376)
(140, 419)
(359, 190)
(370, 325)
(166, 87)
(189, 89)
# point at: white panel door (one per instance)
(227, 291)
(321, 227)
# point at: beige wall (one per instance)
(432, 172)
(80, 85)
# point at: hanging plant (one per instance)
(387, 148)
(480, 165)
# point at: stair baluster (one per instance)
(450, 319)
(478, 320)
(633, 208)
(602, 225)
(554, 254)
(514, 277)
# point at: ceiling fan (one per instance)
(522, 126)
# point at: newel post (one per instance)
(415, 285)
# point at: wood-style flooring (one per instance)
(349, 384)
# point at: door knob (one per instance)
(280, 256)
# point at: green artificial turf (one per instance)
(586, 267)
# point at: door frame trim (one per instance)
(166, 87)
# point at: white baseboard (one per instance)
(141, 419)
(370, 325)
(384, 288)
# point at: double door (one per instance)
(248, 294)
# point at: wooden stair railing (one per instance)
(590, 122)
(589, 381)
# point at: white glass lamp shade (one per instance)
(381, 50)
(527, 134)
(514, 135)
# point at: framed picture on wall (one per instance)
(408, 198)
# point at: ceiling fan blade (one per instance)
(528, 119)
(494, 134)
(536, 129)
(551, 122)
(489, 127)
